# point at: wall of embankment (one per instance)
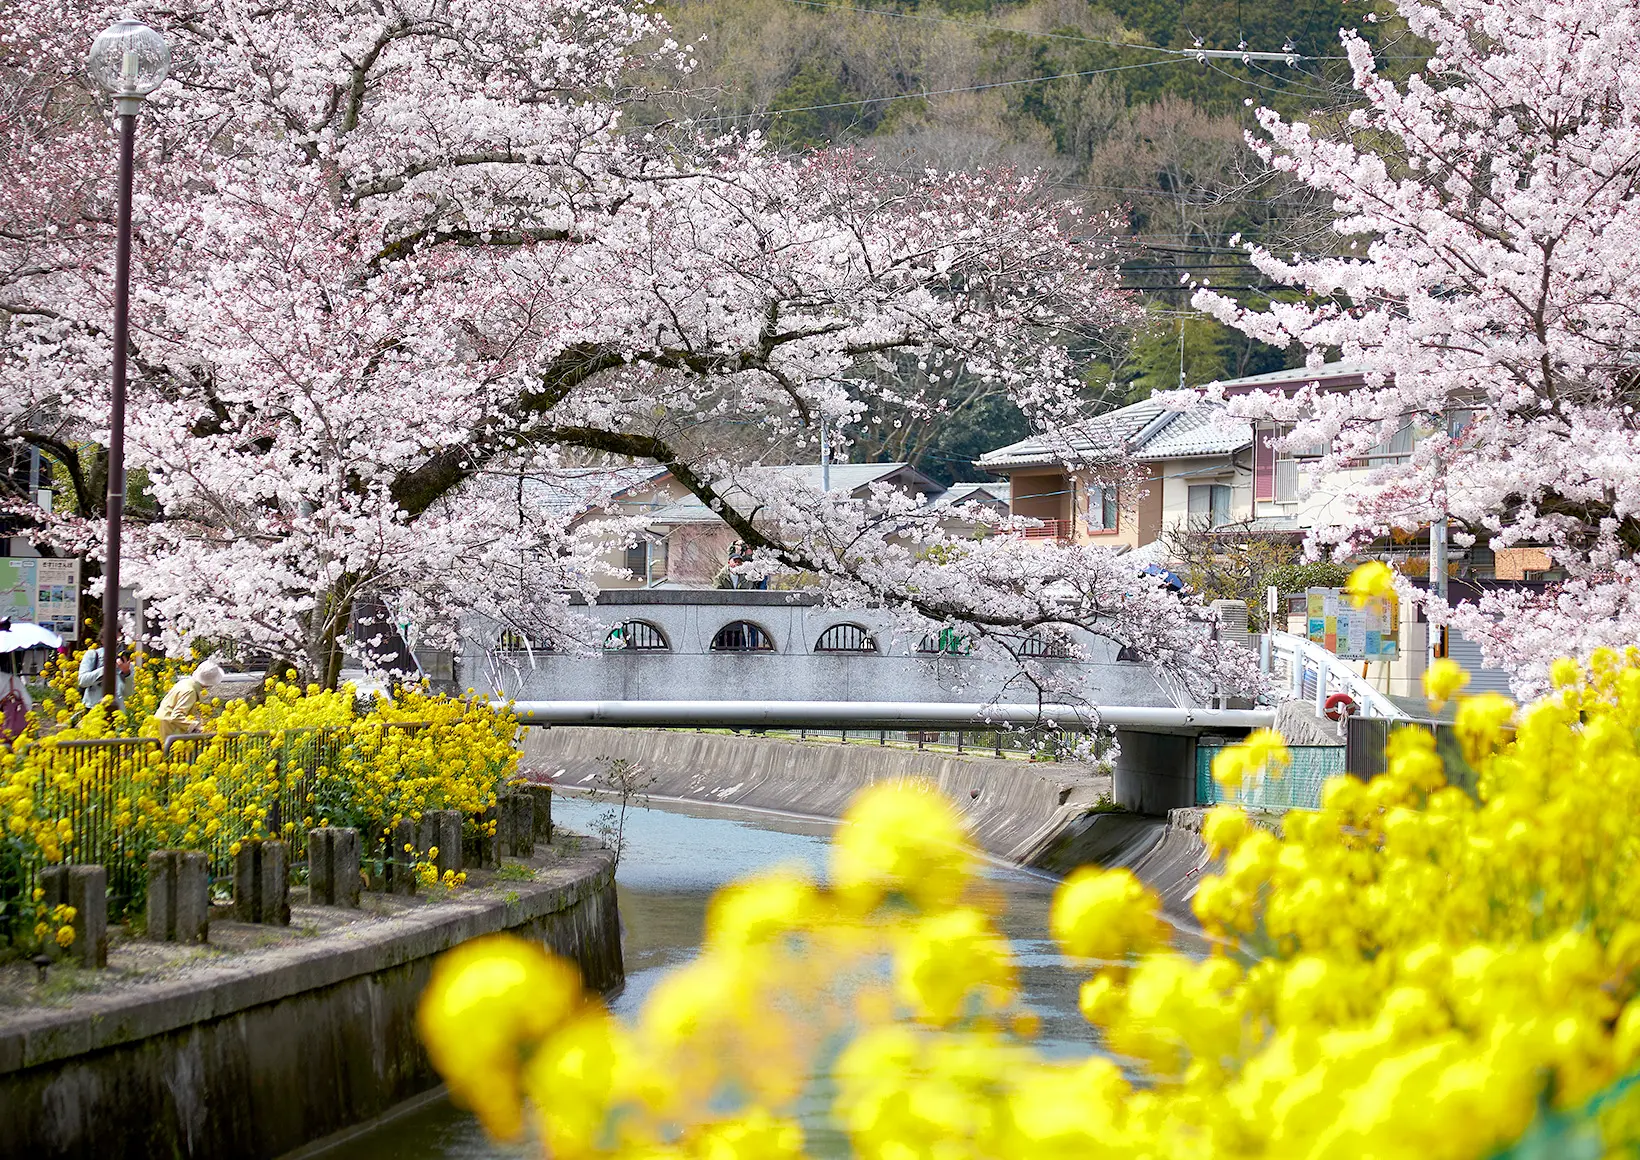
(1038, 814)
(254, 1054)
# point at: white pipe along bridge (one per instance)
(1154, 771)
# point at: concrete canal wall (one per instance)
(254, 1054)
(1040, 815)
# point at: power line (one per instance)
(938, 92)
(1219, 53)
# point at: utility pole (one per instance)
(825, 454)
(1437, 561)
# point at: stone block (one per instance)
(440, 830)
(333, 866)
(486, 844)
(261, 882)
(399, 867)
(516, 831)
(179, 896)
(542, 796)
(85, 888)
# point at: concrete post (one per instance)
(85, 888)
(486, 846)
(440, 830)
(401, 845)
(517, 829)
(542, 797)
(261, 882)
(1154, 772)
(333, 866)
(179, 896)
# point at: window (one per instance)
(1044, 646)
(1286, 480)
(1102, 512)
(949, 641)
(636, 636)
(1209, 505)
(1264, 465)
(740, 636)
(845, 638)
(646, 559)
(1394, 447)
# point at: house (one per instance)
(1123, 477)
(696, 544)
(587, 495)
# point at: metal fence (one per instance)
(269, 781)
(1298, 787)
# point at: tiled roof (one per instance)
(1104, 436)
(1333, 374)
(974, 493)
(1144, 430)
(1198, 434)
(846, 478)
(571, 491)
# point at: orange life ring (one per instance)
(1339, 706)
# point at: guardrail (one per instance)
(1314, 674)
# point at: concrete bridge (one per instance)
(664, 644)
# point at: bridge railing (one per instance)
(1298, 787)
(1313, 674)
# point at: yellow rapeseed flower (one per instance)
(1443, 680)
(488, 1003)
(1374, 580)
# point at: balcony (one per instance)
(1048, 530)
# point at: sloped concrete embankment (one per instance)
(1037, 815)
(254, 1055)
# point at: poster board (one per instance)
(42, 591)
(1369, 633)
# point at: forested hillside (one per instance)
(1107, 98)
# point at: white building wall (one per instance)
(1179, 475)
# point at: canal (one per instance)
(675, 858)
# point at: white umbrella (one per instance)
(15, 635)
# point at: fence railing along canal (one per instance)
(110, 792)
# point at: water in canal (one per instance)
(675, 858)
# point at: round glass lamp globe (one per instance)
(128, 59)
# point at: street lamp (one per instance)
(127, 61)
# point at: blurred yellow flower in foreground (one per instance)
(1374, 580)
(488, 1001)
(1418, 970)
(1443, 680)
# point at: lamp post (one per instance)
(127, 61)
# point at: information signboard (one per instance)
(1368, 633)
(42, 591)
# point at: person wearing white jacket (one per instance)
(91, 678)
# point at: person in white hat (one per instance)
(179, 711)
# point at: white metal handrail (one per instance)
(1303, 657)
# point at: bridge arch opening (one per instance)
(1047, 646)
(742, 636)
(636, 636)
(854, 639)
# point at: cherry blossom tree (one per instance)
(1487, 278)
(394, 261)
